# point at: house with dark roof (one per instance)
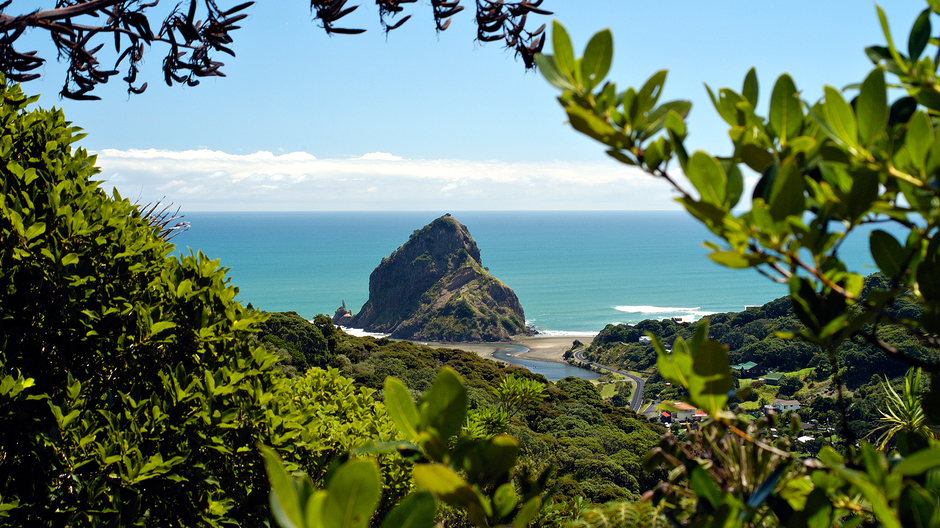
(774, 378)
(749, 369)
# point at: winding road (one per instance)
(637, 400)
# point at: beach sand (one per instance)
(548, 348)
(541, 348)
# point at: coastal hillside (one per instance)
(435, 288)
(775, 368)
(596, 447)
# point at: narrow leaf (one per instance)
(920, 35)
(750, 90)
(840, 118)
(564, 53)
(786, 113)
(872, 108)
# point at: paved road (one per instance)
(637, 400)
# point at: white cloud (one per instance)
(206, 179)
(383, 156)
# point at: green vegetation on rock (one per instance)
(435, 288)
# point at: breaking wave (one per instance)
(657, 309)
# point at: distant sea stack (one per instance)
(435, 288)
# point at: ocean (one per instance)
(574, 272)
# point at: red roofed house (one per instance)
(684, 411)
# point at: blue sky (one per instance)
(427, 121)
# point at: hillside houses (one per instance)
(749, 369)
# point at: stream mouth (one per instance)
(551, 370)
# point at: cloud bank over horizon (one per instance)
(211, 180)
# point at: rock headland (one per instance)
(435, 288)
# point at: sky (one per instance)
(421, 120)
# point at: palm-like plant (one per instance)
(904, 411)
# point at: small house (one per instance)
(645, 340)
(786, 405)
(774, 378)
(749, 369)
(683, 412)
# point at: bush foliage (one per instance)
(130, 392)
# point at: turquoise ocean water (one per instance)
(574, 272)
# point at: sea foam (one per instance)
(656, 309)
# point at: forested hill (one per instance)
(597, 447)
(750, 336)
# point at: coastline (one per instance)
(536, 348)
(547, 348)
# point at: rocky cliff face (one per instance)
(434, 288)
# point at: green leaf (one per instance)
(597, 57)
(657, 118)
(527, 513)
(704, 487)
(874, 494)
(756, 158)
(417, 510)
(919, 463)
(449, 486)
(920, 35)
(675, 124)
(919, 139)
(840, 118)
(592, 125)
(727, 111)
(352, 495)
(564, 53)
(505, 499)
(161, 326)
(708, 177)
(648, 95)
(892, 50)
(863, 193)
(786, 194)
(711, 378)
(444, 405)
(675, 367)
(35, 230)
(750, 90)
(735, 186)
(786, 112)
(733, 259)
(546, 65)
(285, 506)
(401, 408)
(871, 108)
(888, 253)
(184, 287)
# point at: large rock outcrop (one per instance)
(434, 288)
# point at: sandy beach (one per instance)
(548, 348)
(541, 348)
